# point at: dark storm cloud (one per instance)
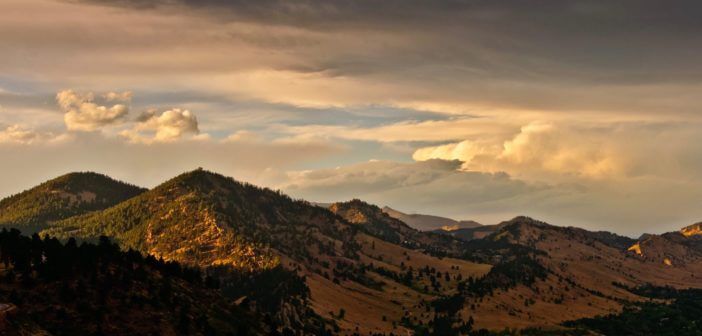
(600, 17)
(605, 41)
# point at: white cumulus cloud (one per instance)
(82, 113)
(167, 126)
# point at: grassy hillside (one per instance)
(68, 195)
(575, 272)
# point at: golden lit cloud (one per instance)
(430, 130)
(83, 114)
(167, 126)
(19, 135)
(538, 150)
(465, 151)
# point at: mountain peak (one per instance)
(359, 212)
(78, 175)
(199, 180)
(520, 229)
(525, 221)
(85, 179)
(204, 218)
(62, 197)
(197, 174)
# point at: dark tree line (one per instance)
(97, 289)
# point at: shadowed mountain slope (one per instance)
(65, 196)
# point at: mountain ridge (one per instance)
(63, 197)
(247, 224)
(383, 274)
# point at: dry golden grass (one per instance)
(396, 255)
(588, 272)
(365, 307)
(580, 285)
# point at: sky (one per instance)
(578, 113)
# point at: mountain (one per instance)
(197, 218)
(590, 273)
(429, 222)
(51, 288)
(65, 196)
(378, 223)
(477, 232)
(672, 248)
(351, 268)
(204, 219)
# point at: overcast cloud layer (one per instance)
(579, 113)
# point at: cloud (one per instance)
(433, 186)
(125, 96)
(490, 32)
(539, 149)
(19, 135)
(628, 206)
(168, 126)
(16, 134)
(464, 151)
(430, 182)
(414, 12)
(457, 57)
(584, 153)
(243, 137)
(548, 147)
(617, 102)
(409, 130)
(83, 114)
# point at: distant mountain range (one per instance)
(354, 268)
(429, 222)
(463, 229)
